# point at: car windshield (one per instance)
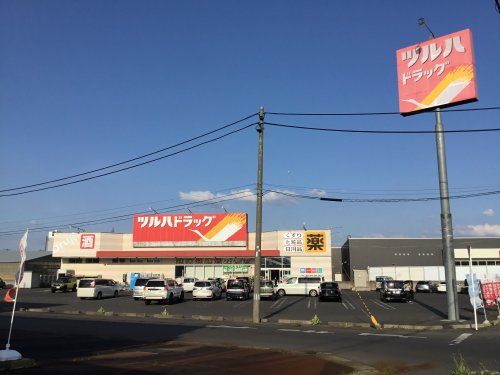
(202, 284)
(329, 286)
(235, 284)
(141, 282)
(155, 283)
(62, 280)
(395, 284)
(188, 280)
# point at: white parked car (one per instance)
(97, 288)
(207, 289)
(188, 283)
(163, 290)
(306, 285)
(441, 288)
(138, 291)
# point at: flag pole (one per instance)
(472, 285)
(8, 354)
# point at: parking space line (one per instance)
(276, 302)
(281, 302)
(349, 302)
(309, 303)
(361, 308)
(383, 305)
(315, 303)
(238, 304)
(343, 304)
(460, 338)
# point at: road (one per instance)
(56, 341)
(426, 309)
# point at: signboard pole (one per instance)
(446, 224)
(258, 226)
(473, 285)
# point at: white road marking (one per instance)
(383, 305)
(343, 304)
(303, 331)
(389, 335)
(231, 327)
(309, 303)
(315, 303)
(239, 304)
(275, 302)
(460, 338)
(280, 302)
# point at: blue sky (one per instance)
(89, 83)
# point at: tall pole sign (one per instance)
(431, 75)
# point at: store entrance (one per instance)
(275, 275)
(279, 274)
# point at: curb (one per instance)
(18, 364)
(212, 318)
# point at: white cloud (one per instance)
(489, 212)
(245, 195)
(317, 192)
(479, 230)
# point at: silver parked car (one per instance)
(138, 291)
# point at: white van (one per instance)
(307, 285)
(97, 288)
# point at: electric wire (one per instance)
(386, 200)
(134, 165)
(372, 113)
(302, 127)
(133, 159)
(178, 207)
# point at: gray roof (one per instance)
(12, 256)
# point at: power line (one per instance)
(302, 127)
(371, 113)
(16, 223)
(178, 207)
(132, 159)
(131, 166)
(385, 200)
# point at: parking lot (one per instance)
(425, 309)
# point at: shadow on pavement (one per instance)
(281, 309)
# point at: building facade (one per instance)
(118, 256)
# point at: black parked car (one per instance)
(2, 283)
(396, 290)
(237, 289)
(330, 291)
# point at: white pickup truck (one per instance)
(163, 290)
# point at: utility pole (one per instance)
(446, 223)
(258, 226)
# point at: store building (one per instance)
(196, 245)
(418, 258)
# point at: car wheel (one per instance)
(53, 290)
(281, 293)
(171, 299)
(99, 295)
(147, 302)
(74, 288)
(82, 298)
(228, 299)
(64, 289)
(181, 298)
(313, 293)
(136, 298)
(115, 294)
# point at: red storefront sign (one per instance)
(436, 73)
(164, 230)
(87, 241)
(491, 293)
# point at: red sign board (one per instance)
(436, 73)
(165, 230)
(491, 293)
(87, 241)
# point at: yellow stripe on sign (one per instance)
(228, 219)
(461, 73)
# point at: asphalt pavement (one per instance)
(66, 344)
(425, 309)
